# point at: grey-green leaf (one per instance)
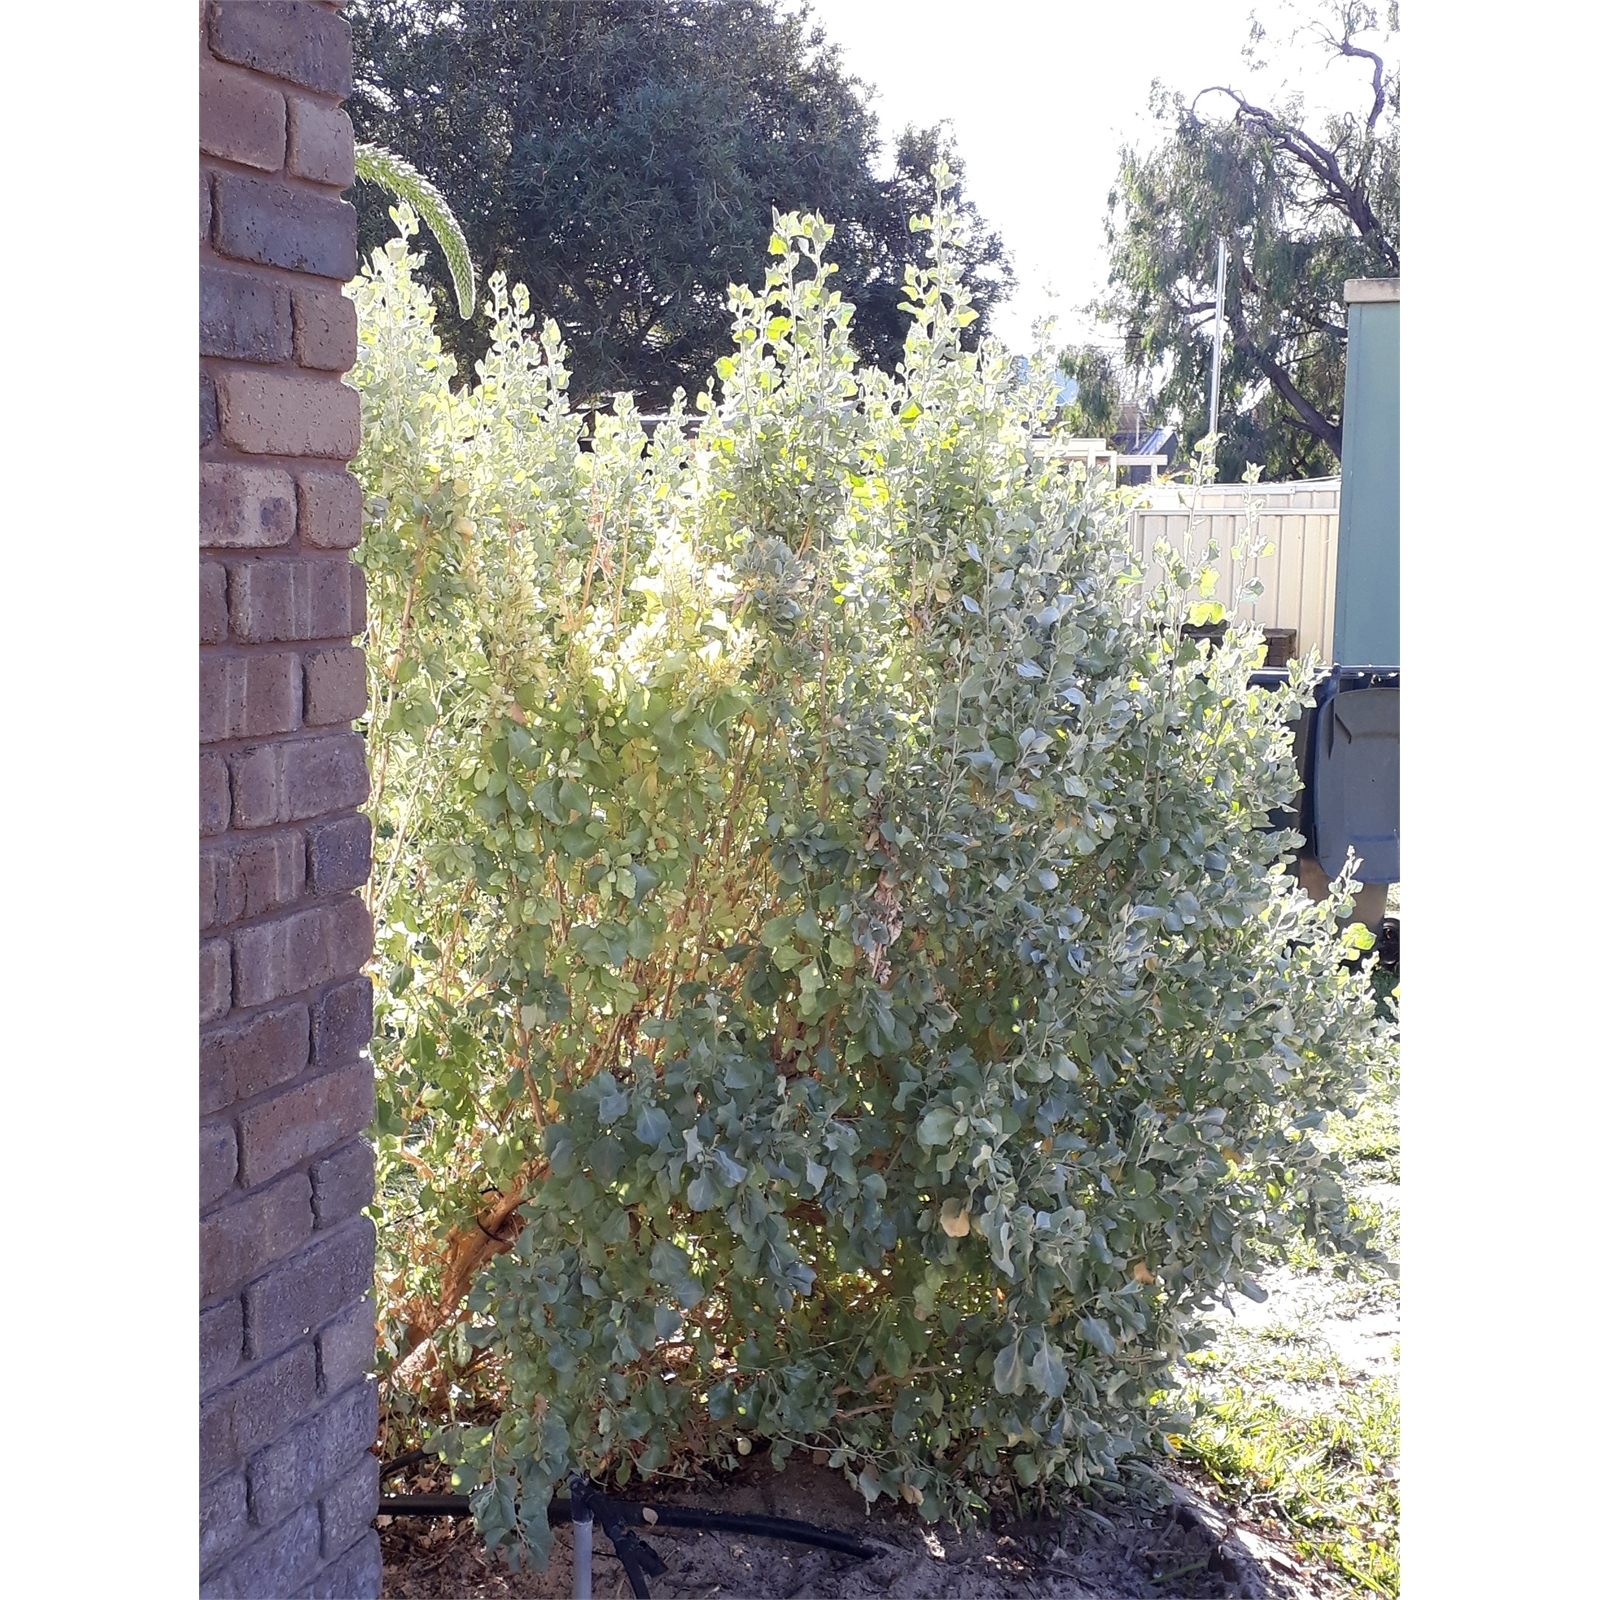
(1008, 1376)
(1098, 1334)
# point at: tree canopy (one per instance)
(1302, 209)
(623, 159)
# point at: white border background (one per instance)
(1500, 588)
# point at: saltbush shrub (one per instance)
(837, 984)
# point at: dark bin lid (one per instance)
(1357, 783)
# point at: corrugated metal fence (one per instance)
(1300, 521)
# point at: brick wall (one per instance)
(288, 1412)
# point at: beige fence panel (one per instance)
(1300, 521)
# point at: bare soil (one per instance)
(1190, 1546)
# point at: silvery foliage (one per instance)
(843, 914)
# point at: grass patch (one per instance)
(1326, 1476)
(1279, 1353)
(1370, 1140)
(1290, 1434)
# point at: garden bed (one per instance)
(1190, 1547)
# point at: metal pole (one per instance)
(1216, 332)
(582, 1542)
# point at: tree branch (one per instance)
(1319, 161)
(1312, 420)
(1379, 99)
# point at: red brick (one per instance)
(257, 786)
(285, 1556)
(339, 855)
(219, 1161)
(345, 1348)
(324, 330)
(281, 1165)
(214, 804)
(317, 1115)
(341, 1184)
(358, 600)
(349, 1507)
(244, 1238)
(241, 118)
(285, 39)
(221, 1343)
(241, 1060)
(298, 780)
(310, 1289)
(274, 413)
(213, 602)
(211, 869)
(245, 697)
(215, 980)
(341, 1022)
(265, 221)
(254, 874)
(300, 951)
(208, 410)
(238, 1420)
(272, 600)
(245, 507)
(336, 685)
(356, 1575)
(244, 316)
(316, 1456)
(322, 146)
(224, 1519)
(330, 510)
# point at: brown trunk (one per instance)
(466, 1252)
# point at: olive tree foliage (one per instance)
(1303, 208)
(837, 987)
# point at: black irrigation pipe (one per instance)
(409, 1458)
(633, 1513)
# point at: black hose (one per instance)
(785, 1528)
(632, 1512)
(431, 1505)
(408, 1459)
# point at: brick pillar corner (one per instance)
(289, 1410)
